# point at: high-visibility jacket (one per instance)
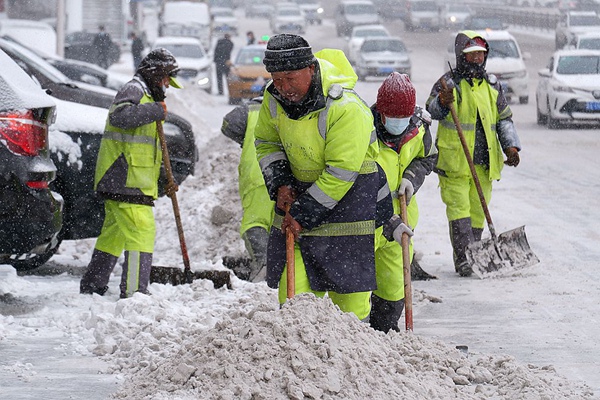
(328, 155)
(130, 157)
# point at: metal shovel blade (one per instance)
(508, 253)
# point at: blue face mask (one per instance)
(396, 126)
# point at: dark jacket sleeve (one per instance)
(126, 111)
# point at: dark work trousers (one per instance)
(222, 72)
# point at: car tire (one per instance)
(553, 123)
(541, 118)
(523, 99)
(36, 261)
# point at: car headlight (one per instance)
(562, 88)
(320, 10)
(203, 81)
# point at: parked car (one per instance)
(80, 200)
(568, 90)
(224, 21)
(358, 35)
(35, 34)
(422, 14)
(350, 13)
(247, 74)
(572, 23)
(30, 212)
(390, 9)
(454, 15)
(288, 18)
(312, 10)
(380, 56)
(588, 40)
(195, 65)
(505, 61)
(80, 46)
(81, 71)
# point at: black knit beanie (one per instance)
(287, 52)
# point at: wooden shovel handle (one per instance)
(465, 147)
(408, 306)
(290, 260)
(173, 196)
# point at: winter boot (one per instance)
(96, 277)
(385, 314)
(461, 235)
(417, 273)
(477, 233)
(136, 273)
(256, 240)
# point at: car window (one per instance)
(458, 8)
(423, 6)
(250, 56)
(503, 49)
(591, 44)
(289, 11)
(585, 20)
(185, 50)
(578, 65)
(370, 32)
(358, 9)
(383, 45)
(28, 57)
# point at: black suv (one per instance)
(30, 213)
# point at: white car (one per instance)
(573, 23)
(358, 35)
(224, 21)
(505, 61)
(588, 40)
(195, 65)
(312, 10)
(569, 88)
(454, 15)
(380, 56)
(288, 18)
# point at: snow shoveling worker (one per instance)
(407, 154)
(257, 206)
(486, 122)
(127, 172)
(317, 150)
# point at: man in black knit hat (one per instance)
(317, 151)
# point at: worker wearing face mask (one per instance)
(407, 154)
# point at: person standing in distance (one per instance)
(102, 43)
(127, 173)
(137, 47)
(486, 122)
(222, 56)
(317, 150)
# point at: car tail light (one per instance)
(22, 134)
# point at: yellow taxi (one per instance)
(247, 74)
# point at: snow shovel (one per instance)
(290, 260)
(500, 254)
(408, 309)
(174, 275)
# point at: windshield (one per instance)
(370, 32)
(423, 6)
(459, 8)
(503, 49)
(250, 56)
(358, 9)
(185, 50)
(289, 11)
(223, 13)
(591, 44)
(383, 45)
(585, 20)
(578, 65)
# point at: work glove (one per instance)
(394, 228)
(512, 156)
(171, 188)
(285, 197)
(407, 189)
(446, 97)
(164, 106)
(289, 223)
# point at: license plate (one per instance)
(592, 106)
(386, 70)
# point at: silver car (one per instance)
(380, 56)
